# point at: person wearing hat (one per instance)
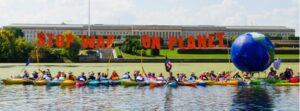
(91, 76)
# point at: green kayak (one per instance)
(270, 81)
(129, 83)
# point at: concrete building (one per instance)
(164, 31)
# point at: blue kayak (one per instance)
(115, 82)
(202, 84)
(242, 83)
(173, 84)
(53, 83)
(93, 82)
(104, 82)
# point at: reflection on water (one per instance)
(18, 97)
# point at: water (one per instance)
(217, 98)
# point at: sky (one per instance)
(154, 12)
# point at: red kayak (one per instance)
(193, 84)
(80, 83)
(156, 84)
(294, 80)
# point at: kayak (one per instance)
(115, 82)
(273, 81)
(156, 84)
(256, 82)
(220, 83)
(232, 82)
(294, 79)
(80, 83)
(54, 83)
(130, 83)
(287, 84)
(104, 82)
(13, 81)
(242, 82)
(28, 82)
(93, 82)
(270, 81)
(193, 84)
(209, 82)
(67, 83)
(40, 82)
(173, 84)
(202, 84)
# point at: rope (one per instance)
(143, 70)
(107, 67)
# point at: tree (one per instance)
(132, 44)
(75, 46)
(17, 32)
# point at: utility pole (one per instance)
(89, 14)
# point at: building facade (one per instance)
(31, 30)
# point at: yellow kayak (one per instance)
(13, 81)
(40, 82)
(287, 84)
(220, 83)
(67, 83)
(232, 82)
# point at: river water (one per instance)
(118, 98)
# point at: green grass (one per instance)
(174, 54)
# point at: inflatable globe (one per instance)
(252, 52)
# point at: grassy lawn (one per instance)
(174, 54)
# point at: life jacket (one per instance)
(125, 76)
(160, 78)
(115, 77)
(81, 78)
(71, 78)
(61, 78)
(203, 77)
(139, 78)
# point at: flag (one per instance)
(27, 62)
(168, 64)
(276, 63)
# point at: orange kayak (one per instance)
(156, 84)
(193, 84)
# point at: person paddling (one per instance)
(193, 78)
(126, 76)
(171, 78)
(82, 77)
(161, 78)
(71, 76)
(25, 75)
(114, 76)
(91, 76)
(140, 78)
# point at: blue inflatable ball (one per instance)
(252, 52)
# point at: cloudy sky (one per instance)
(164, 12)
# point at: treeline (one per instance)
(14, 48)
